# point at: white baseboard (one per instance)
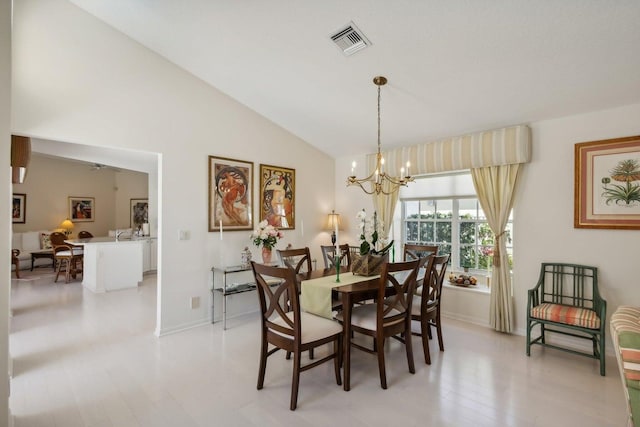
(465, 318)
(183, 327)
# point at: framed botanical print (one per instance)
(230, 194)
(139, 213)
(19, 208)
(277, 196)
(82, 209)
(607, 184)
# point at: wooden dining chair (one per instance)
(329, 254)
(389, 316)
(64, 254)
(419, 251)
(297, 259)
(425, 307)
(15, 261)
(285, 327)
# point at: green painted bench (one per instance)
(566, 301)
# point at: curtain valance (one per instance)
(489, 148)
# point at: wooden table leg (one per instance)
(346, 325)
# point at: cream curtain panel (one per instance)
(484, 153)
(495, 186)
(385, 205)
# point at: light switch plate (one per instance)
(184, 235)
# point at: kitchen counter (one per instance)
(110, 264)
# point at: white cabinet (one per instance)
(149, 254)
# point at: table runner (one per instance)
(315, 294)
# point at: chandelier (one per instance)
(379, 182)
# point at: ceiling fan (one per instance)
(100, 166)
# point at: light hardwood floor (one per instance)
(82, 359)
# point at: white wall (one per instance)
(5, 205)
(79, 81)
(543, 216)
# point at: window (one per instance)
(457, 224)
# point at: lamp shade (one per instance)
(334, 219)
(67, 224)
(20, 157)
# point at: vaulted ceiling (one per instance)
(454, 66)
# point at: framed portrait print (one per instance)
(82, 209)
(139, 213)
(230, 194)
(607, 184)
(277, 196)
(19, 208)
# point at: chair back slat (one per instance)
(419, 251)
(399, 279)
(432, 288)
(569, 284)
(329, 254)
(297, 259)
(279, 303)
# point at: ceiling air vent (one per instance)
(350, 39)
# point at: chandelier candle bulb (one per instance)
(353, 169)
(408, 166)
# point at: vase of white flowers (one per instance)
(373, 251)
(266, 236)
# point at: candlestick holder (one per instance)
(338, 261)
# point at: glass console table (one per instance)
(228, 289)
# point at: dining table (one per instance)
(348, 291)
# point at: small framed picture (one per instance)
(607, 184)
(139, 212)
(278, 196)
(82, 209)
(230, 194)
(19, 208)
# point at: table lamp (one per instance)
(67, 226)
(334, 224)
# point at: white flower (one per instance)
(266, 235)
(372, 237)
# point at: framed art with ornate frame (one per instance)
(139, 213)
(607, 184)
(19, 208)
(277, 196)
(82, 209)
(230, 194)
